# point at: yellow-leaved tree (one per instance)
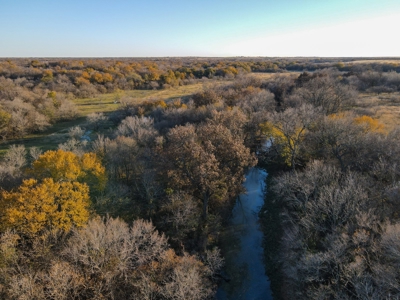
(35, 206)
(57, 197)
(371, 124)
(63, 166)
(287, 130)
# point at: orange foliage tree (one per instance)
(35, 206)
(57, 198)
(97, 78)
(107, 77)
(81, 81)
(67, 166)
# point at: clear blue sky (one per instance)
(125, 28)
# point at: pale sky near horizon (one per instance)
(131, 28)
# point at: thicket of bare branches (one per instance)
(105, 260)
(338, 209)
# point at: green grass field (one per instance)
(46, 140)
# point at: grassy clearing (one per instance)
(46, 140)
(109, 102)
(385, 107)
(264, 76)
(389, 115)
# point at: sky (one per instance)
(149, 28)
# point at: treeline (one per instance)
(334, 211)
(87, 77)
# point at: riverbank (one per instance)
(270, 221)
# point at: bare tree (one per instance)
(181, 213)
(331, 234)
(187, 281)
(67, 110)
(139, 128)
(214, 260)
(63, 282)
(35, 152)
(12, 166)
(108, 250)
(96, 120)
(263, 101)
(76, 132)
(326, 92)
(76, 146)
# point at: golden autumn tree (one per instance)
(35, 206)
(97, 77)
(288, 140)
(107, 77)
(63, 165)
(47, 76)
(288, 128)
(57, 198)
(86, 75)
(81, 81)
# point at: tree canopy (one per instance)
(63, 166)
(35, 206)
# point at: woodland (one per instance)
(131, 202)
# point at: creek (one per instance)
(241, 243)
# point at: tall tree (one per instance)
(208, 161)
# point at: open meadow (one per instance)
(111, 101)
(384, 107)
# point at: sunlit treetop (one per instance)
(63, 166)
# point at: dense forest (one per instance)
(132, 204)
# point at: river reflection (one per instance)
(242, 246)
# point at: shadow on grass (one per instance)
(45, 140)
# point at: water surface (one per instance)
(242, 246)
